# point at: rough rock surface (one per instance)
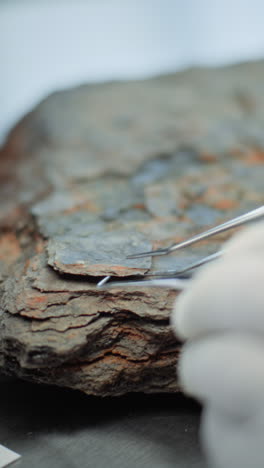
(101, 171)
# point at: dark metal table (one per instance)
(52, 427)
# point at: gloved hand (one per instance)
(221, 315)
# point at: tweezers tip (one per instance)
(138, 255)
(171, 283)
(151, 253)
(102, 282)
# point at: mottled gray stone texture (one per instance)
(99, 172)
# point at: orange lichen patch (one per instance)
(86, 205)
(34, 263)
(40, 246)
(120, 268)
(98, 269)
(26, 301)
(208, 157)
(225, 204)
(185, 219)
(29, 299)
(237, 152)
(255, 157)
(114, 360)
(9, 248)
(132, 333)
(113, 364)
(139, 206)
(211, 193)
(35, 301)
(183, 205)
(222, 197)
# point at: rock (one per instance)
(102, 171)
(103, 253)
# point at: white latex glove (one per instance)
(222, 364)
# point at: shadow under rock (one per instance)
(51, 426)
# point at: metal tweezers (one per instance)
(165, 278)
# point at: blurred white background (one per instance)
(46, 45)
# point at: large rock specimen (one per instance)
(101, 171)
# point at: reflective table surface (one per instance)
(54, 427)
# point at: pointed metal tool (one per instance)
(172, 283)
(187, 269)
(103, 281)
(235, 222)
(167, 273)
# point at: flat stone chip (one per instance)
(100, 254)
